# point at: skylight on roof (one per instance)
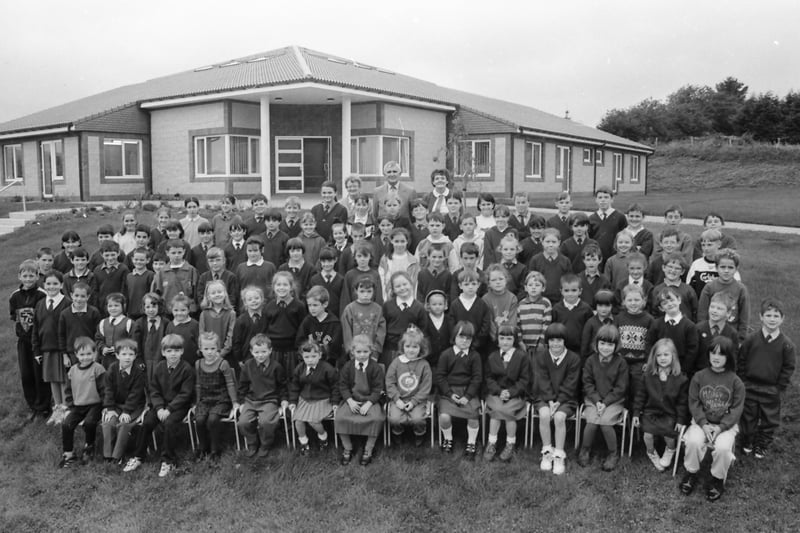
(230, 63)
(337, 60)
(257, 59)
(208, 67)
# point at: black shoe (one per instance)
(584, 457)
(688, 483)
(251, 451)
(470, 451)
(419, 440)
(611, 461)
(263, 451)
(323, 445)
(759, 452)
(714, 489)
(347, 456)
(304, 449)
(447, 446)
(366, 458)
(67, 461)
(88, 454)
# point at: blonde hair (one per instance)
(651, 367)
(206, 302)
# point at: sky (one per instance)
(583, 56)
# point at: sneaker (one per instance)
(759, 452)
(584, 457)
(558, 463)
(611, 461)
(323, 445)
(688, 483)
(366, 458)
(305, 449)
(54, 414)
(59, 414)
(347, 456)
(546, 464)
(747, 449)
(67, 461)
(656, 460)
(489, 452)
(714, 489)
(447, 446)
(507, 453)
(666, 459)
(132, 464)
(166, 468)
(470, 451)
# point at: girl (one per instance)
(605, 386)
(502, 303)
(221, 222)
(218, 315)
(419, 222)
(312, 242)
(408, 386)
(215, 392)
(382, 240)
(149, 330)
(284, 314)
(616, 269)
(298, 266)
(191, 222)
(185, 326)
(716, 401)
(70, 240)
(361, 213)
(328, 211)
(398, 259)
(438, 328)
(507, 377)
(352, 187)
(485, 219)
(114, 327)
(534, 312)
(458, 378)
(361, 383)
(158, 234)
(313, 392)
(400, 311)
(126, 236)
(174, 230)
(660, 406)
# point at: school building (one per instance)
(202, 132)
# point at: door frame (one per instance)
(300, 164)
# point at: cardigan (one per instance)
(283, 323)
(336, 213)
(72, 325)
(375, 379)
(398, 320)
(263, 385)
(658, 397)
(321, 384)
(44, 335)
(683, 334)
(453, 371)
(557, 383)
(514, 377)
(244, 329)
(605, 382)
(552, 270)
(574, 320)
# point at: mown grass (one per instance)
(405, 489)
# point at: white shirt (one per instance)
(467, 303)
(437, 321)
(257, 263)
(674, 320)
(557, 360)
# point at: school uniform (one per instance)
(220, 322)
(326, 216)
(246, 327)
(662, 404)
(235, 255)
(573, 318)
(334, 284)
(603, 227)
(138, 284)
(552, 269)
(607, 383)
(22, 307)
(73, 324)
(314, 391)
(517, 272)
(418, 232)
(262, 389)
(302, 276)
(455, 290)
(124, 395)
(44, 337)
(430, 279)
(642, 241)
(452, 226)
(188, 255)
(589, 287)
(221, 224)
(399, 315)
(705, 334)
(363, 382)
(71, 278)
(254, 225)
(148, 333)
(563, 223)
(380, 245)
(520, 224)
(275, 247)
(283, 321)
(530, 248)
(107, 280)
(479, 314)
(738, 314)
(646, 286)
(573, 250)
(557, 380)
(190, 331)
(590, 330)
(491, 241)
(96, 259)
(199, 259)
(507, 371)
(424, 246)
(439, 334)
(459, 372)
(258, 273)
(683, 333)
(686, 293)
(83, 396)
(327, 333)
(291, 228)
(231, 285)
(616, 268)
(367, 221)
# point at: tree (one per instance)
(687, 109)
(725, 105)
(761, 117)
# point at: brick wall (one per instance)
(430, 138)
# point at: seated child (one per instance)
(215, 396)
(123, 401)
(408, 387)
(313, 393)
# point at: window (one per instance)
(474, 156)
(617, 167)
(599, 157)
(226, 155)
(533, 160)
(12, 161)
(53, 159)
(122, 158)
(562, 163)
(587, 156)
(634, 169)
(369, 153)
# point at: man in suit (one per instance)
(405, 193)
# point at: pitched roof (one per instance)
(294, 64)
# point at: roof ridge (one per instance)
(301, 61)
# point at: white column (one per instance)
(345, 138)
(264, 156)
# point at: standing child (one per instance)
(312, 241)
(606, 222)
(139, 282)
(123, 401)
(400, 311)
(184, 325)
(616, 268)
(493, 235)
(438, 329)
(148, 332)
(636, 265)
(603, 305)
(70, 241)
(507, 378)
(236, 249)
(605, 387)
(159, 232)
(704, 269)
(500, 300)
(298, 266)
(78, 320)
(436, 275)
(673, 216)
(363, 254)
(111, 276)
(561, 220)
(218, 316)
(739, 314)
(284, 314)
(469, 255)
(361, 214)
(715, 221)
(275, 240)
(328, 211)
(248, 324)
(458, 378)
(398, 259)
(452, 220)
(673, 269)
(178, 278)
(716, 325)
(509, 249)
(221, 222)
(408, 387)
(535, 313)
(676, 327)
(533, 244)
(557, 375)
(551, 264)
(591, 278)
(485, 218)
(126, 237)
(436, 200)
(381, 241)
(80, 272)
(469, 234)
(255, 223)
(572, 311)
(435, 237)
(215, 396)
(206, 235)
(364, 317)
(572, 248)
(345, 258)
(634, 323)
(256, 270)
(668, 240)
(191, 222)
(114, 327)
(290, 224)
(467, 307)
(521, 216)
(84, 392)
(322, 327)
(642, 237)
(329, 278)
(418, 230)
(313, 395)
(104, 233)
(218, 272)
(660, 406)
(361, 383)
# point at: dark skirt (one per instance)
(471, 411)
(315, 411)
(53, 370)
(513, 409)
(658, 424)
(349, 423)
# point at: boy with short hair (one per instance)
(642, 237)
(571, 311)
(364, 316)
(469, 234)
(123, 401)
(274, 240)
(551, 264)
(495, 234)
(704, 269)
(44, 263)
(435, 238)
(572, 247)
(675, 326)
(673, 216)
(668, 240)
(290, 224)
(364, 268)
(673, 268)
(235, 250)
(561, 220)
(636, 265)
(217, 271)
(469, 260)
(345, 260)
(78, 320)
(516, 272)
(255, 223)
(221, 222)
(436, 275)
(322, 327)
(111, 276)
(206, 235)
(179, 277)
(591, 278)
(452, 221)
(249, 323)
(533, 244)
(716, 325)
(521, 216)
(257, 270)
(767, 361)
(80, 272)
(139, 281)
(739, 315)
(104, 233)
(606, 222)
(633, 323)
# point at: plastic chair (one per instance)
(574, 418)
(429, 414)
(527, 419)
(623, 423)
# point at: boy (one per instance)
(435, 238)
(78, 320)
(704, 269)
(222, 221)
(263, 395)
(290, 224)
(179, 277)
(217, 271)
(591, 278)
(44, 263)
(364, 316)
(469, 260)
(184, 325)
(80, 272)
(521, 216)
(716, 325)
(104, 233)
(235, 251)
(633, 324)
(606, 222)
(551, 264)
(766, 364)
(673, 216)
(275, 240)
(493, 236)
(322, 327)
(571, 311)
(22, 304)
(345, 261)
(515, 271)
(636, 265)
(727, 268)
(419, 222)
(532, 245)
(572, 247)
(329, 279)
(642, 237)
(84, 394)
(363, 254)
(248, 324)
(470, 308)
(452, 221)
(111, 276)
(139, 282)
(673, 269)
(468, 235)
(123, 401)
(680, 329)
(534, 312)
(436, 276)
(669, 245)
(255, 224)
(560, 220)
(603, 305)
(256, 271)
(171, 392)
(141, 238)
(206, 235)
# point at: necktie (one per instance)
(461, 353)
(309, 370)
(263, 368)
(50, 304)
(509, 265)
(170, 369)
(579, 241)
(714, 331)
(216, 277)
(433, 272)
(564, 220)
(326, 208)
(256, 317)
(360, 367)
(770, 338)
(282, 304)
(237, 247)
(404, 306)
(603, 216)
(152, 324)
(290, 223)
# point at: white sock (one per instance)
(492, 439)
(303, 440)
(472, 434)
(448, 433)
(510, 440)
(323, 436)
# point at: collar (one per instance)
(253, 313)
(126, 371)
(456, 349)
(114, 320)
(445, 194)
(633, 232)
(188, 319)
(557, 360)
(403, 358)
(767, 335)
(136, 273)
(676, 320)
(407, 301)
(550, 257)
(668, 283)
(721, 326)
(238, 243)
(465, 301)
(157, 320)
(507, 355)
(605, 360)
(329, 275)
(74, 310)
(571, 307)
(437, 320)
(109, 268)
(639, 282)
(177, 267)
(256, 263)
(608, 212)
(356, 363)
(74, 274)
(56, 299)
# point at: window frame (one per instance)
(599, 157)
(472, 143)
(618, 167)
(122, 143)
(253, 143)
(587, 156)
(17, 162)
(355, 148)
(565, 172)
(53, 158)
(635, 170)
(534, 145)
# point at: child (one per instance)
(716, 325)
(493, 235)
(673, 269)
(572, 311)
(291, 221)
(485, 218)
(400, 311)
(123, 401)
(673, 216)
(80, 272)
(248, 324)
(159, 232)
(668, 240)
(114, 327)
(616, 268)
(263, 397)
(363, 254)
(185, 326)
(458, 378)
(468, 235)
(104, 233)
(467, 307)
(452, 220)
(218, 272)
(327, 277)
(218, 316)
(111, 276)
(215, 394)
(392, 207)
(591, 278)
(206, 235)
(606, 222)
(500, 300)
(311, 240)
(361, 383)
(275, 240)
(236, 249)
(535, 313)
(636, 265)
(171, 391)
(436, 275)
(83, 396)
(660, 407)
(704, 269)
(561, 220)
(191, 222)
(676, 327)
(507, 375)
(44, 263)
(44, 342)
(339, 238)
(221, 222)
(328, 211)
(70, 241)
(298, 266)
(126, 236)
(139, 282)
(364, 316)
(557, 375)
(715, 221)
(438, 328)
(148, 332)
(408, 387)
(435, 237)
(533, 244)
(361, 214)
(515, 271)
(284, 314)
(381, 241)
(78, 320)
(739, 313)
(398, 259)
(572, 248)
(551, 264)
(313, 393)
(22, 306)
(642, 237)
(469, 259)
(766, 364)
(634, 323)
(603, 304)
(254, 224)
(175, 232)
(322, 327)
(716, 402)
(521, 216)
(179, 278)
(345, 258)
(419, 225)
(605, 386)
(256, 270)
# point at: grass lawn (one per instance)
(405, 489)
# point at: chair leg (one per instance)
(678, 445)
(578, 418)
(622, 440)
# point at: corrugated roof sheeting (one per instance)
(476, 123)
(130, 119)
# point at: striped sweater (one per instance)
(534, 317)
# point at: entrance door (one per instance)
(316, 166)
(302, 164)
